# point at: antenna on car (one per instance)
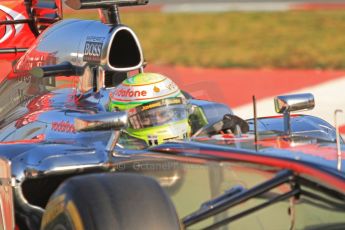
(337, 137)
(255, 122)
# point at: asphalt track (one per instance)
(236, 87)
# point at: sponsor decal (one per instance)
(156, 89)
(163, 102)
(129, 93)
(57, 206)
(63, 126)
(11, 30)
(75, 216)
(172, 86)
(153, 105)
(93, 49)
(169, 101)
(153, 140)
(174, 101)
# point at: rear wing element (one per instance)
(108, 9)
(92, 4)
(22, 21)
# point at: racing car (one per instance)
(63, 165)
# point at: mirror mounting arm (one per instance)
(114, 138)
(111, 15)
(287, 124)
(285, 104)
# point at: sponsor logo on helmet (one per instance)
(169, 101)
(156, 89)
(172, 86)
(153, 105)
(129, 93)
(141, 92)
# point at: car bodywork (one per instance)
(54, 125)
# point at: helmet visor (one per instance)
(157, 113)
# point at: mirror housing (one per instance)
(63, 69)
(101, 121)
(294, 102)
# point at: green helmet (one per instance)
(157, 110)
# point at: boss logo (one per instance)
(93, 49)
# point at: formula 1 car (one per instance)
(62, 166)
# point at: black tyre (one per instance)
(110, 201)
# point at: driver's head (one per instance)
(157, 109)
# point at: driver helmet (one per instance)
(157, 110)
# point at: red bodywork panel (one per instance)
(15, 35)
(28, 18)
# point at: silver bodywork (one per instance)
(85, 43)
(43, 138)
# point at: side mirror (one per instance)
(62, 69)
(103, 121)
(295, 102)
